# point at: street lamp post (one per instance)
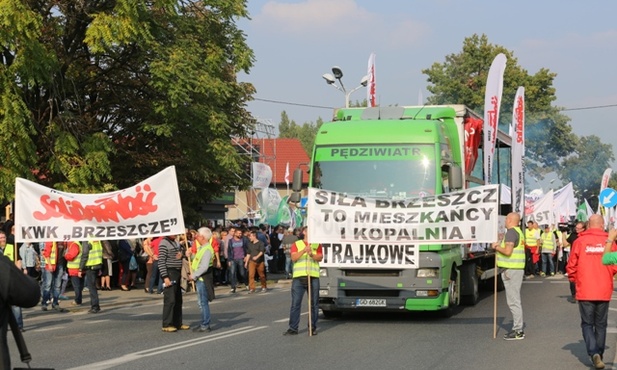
(337, 74)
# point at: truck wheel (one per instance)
(472, 299)
(453, 294)
(331, 314)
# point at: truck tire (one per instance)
(454, 295)
(468, 272)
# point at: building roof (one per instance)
(276, 153)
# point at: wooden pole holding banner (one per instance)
(310, 307)
(186, 244)
(495, 300)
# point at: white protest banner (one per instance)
(363, 232)
(150, 208)
(564, 203)
(542, 210)
(262, 175)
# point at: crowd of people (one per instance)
(587, 256)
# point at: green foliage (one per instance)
(305, 133)
(586, 167)
(96, 95)
(461, 79)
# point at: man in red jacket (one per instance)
(594, 285)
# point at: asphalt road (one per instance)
(247, 334)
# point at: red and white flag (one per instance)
(371, 95)
(492, 101)
(518, 152)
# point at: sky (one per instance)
(296, 41)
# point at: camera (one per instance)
(566, 227)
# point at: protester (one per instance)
(107, 269)
(254, 260)
(16, 289)
(594, 284)
(532, 241)
(288, 241)
(511, 258)
(171, 256)
(54, 271)
(202, 274)
(90, 265)
(306, 258)
(549, 246)
(568, 242)
(237, 248)
(73, 258)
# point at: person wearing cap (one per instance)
(549, 244)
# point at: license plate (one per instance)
(370, 302)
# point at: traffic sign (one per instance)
(608, 198)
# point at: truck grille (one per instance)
(360, 272)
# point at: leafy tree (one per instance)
(461, 79)
(97, 95)
(586, 167)
(305, 133)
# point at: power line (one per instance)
(291, 103)
(591, 107)
(326, 107)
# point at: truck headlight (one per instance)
(323, 272)
(428, 273)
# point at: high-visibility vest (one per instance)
(53, 256)
(517, 259)
(95, 256)
(547, 242)
(200, 254)
(530, 238)
(305, 265)
(74, 264)
(9, 251)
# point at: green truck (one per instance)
(406, 152)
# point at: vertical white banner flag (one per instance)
(371, 93)
(287, 174)
(518, 152)
(262, 175)
(492, 101)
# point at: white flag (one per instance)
(518, 152)
(564, 203)
(287, 174)
(492, 101)
(371, 94)
(262, 175)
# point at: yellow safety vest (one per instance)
(530, 237)
(95, 256)
(74, 264)
(305, 265)
(517, 259)
(200, 254)
(9, 252)
(52, 255)
(547, 242)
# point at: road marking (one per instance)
(560, 282)
(283, 320)
(166, 348)
(532, 282)
(143, 314)
(47, 329)
(96, 321)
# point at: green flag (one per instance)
(581, 212)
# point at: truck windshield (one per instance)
(392, 176)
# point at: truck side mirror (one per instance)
(455, 177)
(296, 187)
